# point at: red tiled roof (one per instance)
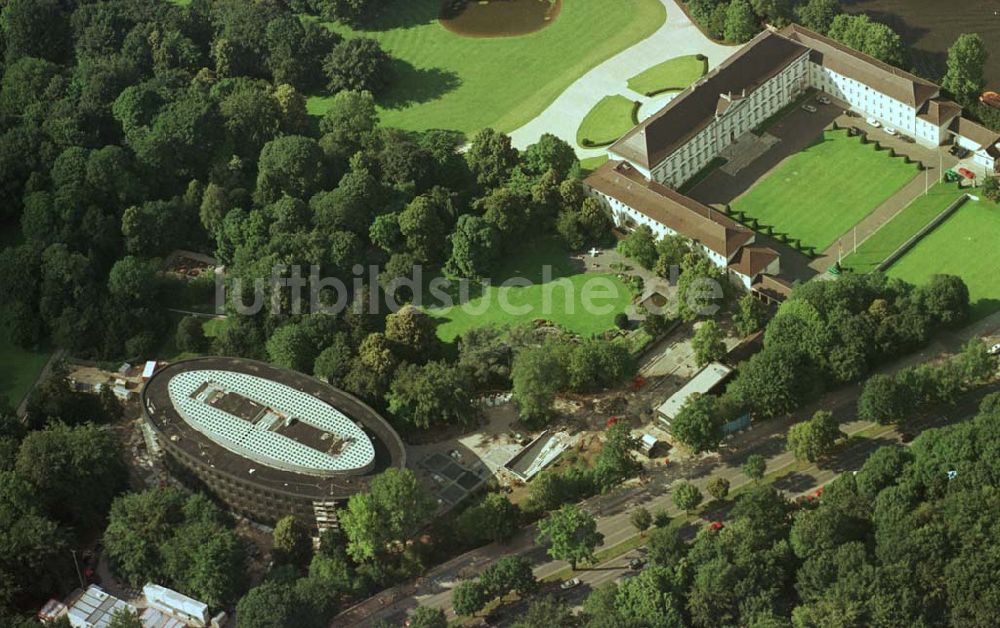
(654, 139)
(682, 214)
(844, 60)
(753, 260)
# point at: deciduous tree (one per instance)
(686, 496)
(708, 343)
(571, 534)
(813, 439)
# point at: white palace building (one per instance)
(767, 74)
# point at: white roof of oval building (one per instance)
(271, 423)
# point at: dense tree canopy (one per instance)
(179, 539)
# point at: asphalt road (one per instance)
(612, 509)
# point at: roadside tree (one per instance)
(571, 534)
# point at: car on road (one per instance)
(809, 108)
(873, 122)
(907, 138)
(995, 349)
(890, 131)
(569, 584)
(636, 563)
(823, 100)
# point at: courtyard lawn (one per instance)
(818, 194)
(674, 74)
(610, 118)
(19, 368)
(563, 294)
(964, 245)
(447, 81)
(902, 227)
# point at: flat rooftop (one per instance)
(703, 382)
(270, 422)
(273, 427)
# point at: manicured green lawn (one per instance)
(610, 118)
(964, 245)
(674, 74)
(560, 300)
(819, 193)
(591, 164)
(18, 368)
(902, 227)
(446, 81)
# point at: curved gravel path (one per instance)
(678, 36)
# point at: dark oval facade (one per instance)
(256, 403)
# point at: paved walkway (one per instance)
(678, 36)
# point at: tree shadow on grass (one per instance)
(413, 86)
(405, 14)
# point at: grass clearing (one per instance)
(673, 74)
(610, 118)
(19, 368)
(169, 351)
(819, 193)
(591, 164)
(964, 245)
(902, 227)
(447, 81)
(556, 295)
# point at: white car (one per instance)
(809, 108)
(875, 123)
(569, 584)
(995, 349)
(890, 131)
(823, 100)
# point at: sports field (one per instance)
(559, 300)
(902, 227)
(673, 74)
(447, 81)
(611, 118)
(964, 245)
(819, 193)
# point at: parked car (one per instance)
(809, 108)
(907, 138)
(890, 131)
(636, 563)
(995, 349)
(823, 100)
(569, 584)
(965, 172)
(958, 151)
(873, 122)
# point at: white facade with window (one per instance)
(743, 114)
(627, 218)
